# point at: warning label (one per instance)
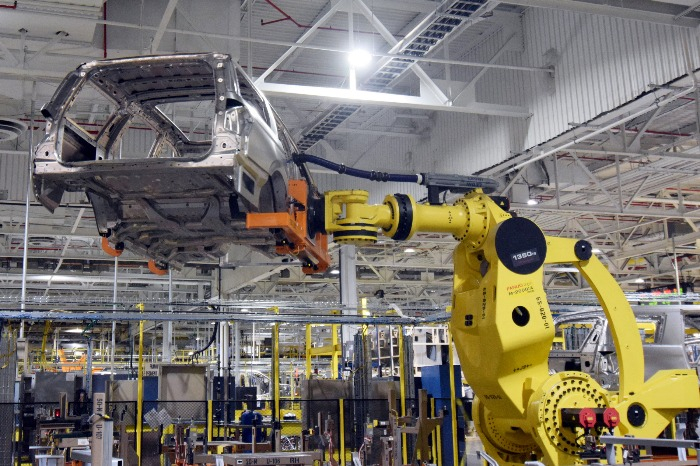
(520, 288)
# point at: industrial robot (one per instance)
(503, 328)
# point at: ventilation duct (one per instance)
(10, 129)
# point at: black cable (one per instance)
(313, 189)
(357, 173)
(211, 342)
(435, 182)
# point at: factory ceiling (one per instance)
(626, 179)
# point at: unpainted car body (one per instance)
(217, 151)
(584, 342)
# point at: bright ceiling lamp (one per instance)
(532, 202)
(359, 58)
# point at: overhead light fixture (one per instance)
(596, 251)
(359, 58)
(639, 280)
(409, 250)
(74, 330)
(532, 202)
(334, 272)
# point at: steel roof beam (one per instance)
(648, 11)
(396, 45)
(666, 245)
(108, 278)
(394, 100)
(164, 20)
(594, 209)
(63, 316)
(416, 6)
(329, 14)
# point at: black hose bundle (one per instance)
(435, 182)
(345, 170)
(211, 342)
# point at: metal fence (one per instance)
(332, 426)
(7, 388)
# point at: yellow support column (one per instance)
(333, 350)
(453, 401)
(308, 351)
(438, 433)
(210, 420)
(402, 383)
(434, 433)
(276, 371)
(341, 429)
(336, 351)
(139, 395)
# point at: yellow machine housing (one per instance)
(503, 328)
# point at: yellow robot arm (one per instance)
(503, 328)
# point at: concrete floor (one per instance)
(472, 446)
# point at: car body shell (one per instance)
(184, 199)
(584, 342)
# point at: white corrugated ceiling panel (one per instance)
(14, 178)
(601, 63)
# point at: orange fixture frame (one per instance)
(294, 225)
(114, 252)
(153, 267)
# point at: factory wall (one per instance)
(14, 174)
(14, 177)
(600, 63)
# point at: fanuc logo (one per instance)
(525, 257)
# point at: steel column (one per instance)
(168, 326)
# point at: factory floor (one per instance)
(472, 446)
